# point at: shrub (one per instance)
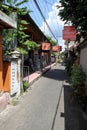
(68, 63)
(25, 85)
(78, 79)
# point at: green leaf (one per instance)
(20, 3)
(22, 51)
(24, 22)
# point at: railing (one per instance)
(26, 72)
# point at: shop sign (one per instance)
(69, 33)
(59, 48)
(46, 46)
(55, 48)
(14, 81)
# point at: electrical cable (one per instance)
(48, 2)
(55, 17)
(44, 18)
(27, 4)
(57, 21)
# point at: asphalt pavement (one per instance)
(47, 105)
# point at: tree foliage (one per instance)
(28, 45)
(53, 42)
(74, 11)
(15, 9)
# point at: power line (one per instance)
(55, 15)
(48, 2)
(48, 11)
(44, 18)
(37, 19)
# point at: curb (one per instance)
(41, 73)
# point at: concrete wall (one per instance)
(7, 21)
(83, 59)
(4, 99)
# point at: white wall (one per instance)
(83, 59)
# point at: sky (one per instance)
(50, 13)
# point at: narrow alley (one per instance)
(43, 64)
(45, 106)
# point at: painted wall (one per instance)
(83, 59)
(6, 76)
(1, 65)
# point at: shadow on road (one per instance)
(74, 119)
(56, 74)
(73, 115)
(70, 110)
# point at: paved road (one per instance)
(41, 107)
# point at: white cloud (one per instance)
(54, 22)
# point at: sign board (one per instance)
(59, 48)
(14, 82)
(69, 28)
(69, 33)
(46, 46)
(55, 48)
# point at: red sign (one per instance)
(69, 28)
(55, 48)
(46, 46)
(69, 33)
(59, 48)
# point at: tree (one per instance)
(53, 42)
(12, 7)
(74, 11)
